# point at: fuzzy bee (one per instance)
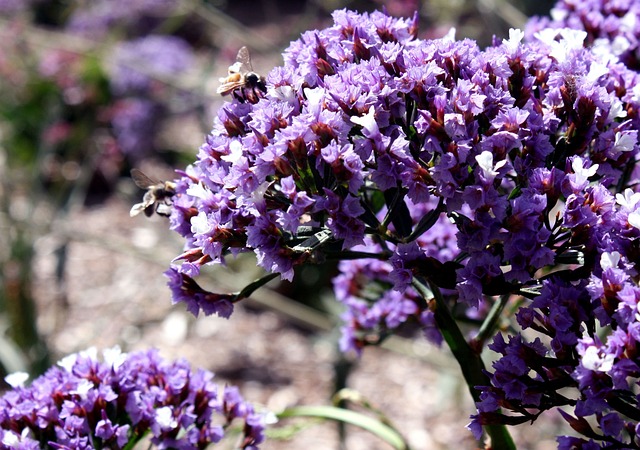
(157, 198)
(242, 82)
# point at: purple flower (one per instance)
(134, 122)
(102, 16)
(86, 402)
(184, 289)
(378, 294)
(11, 7)
(379, 114)
(611, 28)
(142, 62)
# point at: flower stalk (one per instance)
(468, 359)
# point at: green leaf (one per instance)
(398, 213)
(376, 201)
(384, 432)
(427, 221)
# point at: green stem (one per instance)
(133, 441)
(469, 361)
(351, 255)
(488, 327)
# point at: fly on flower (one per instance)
(241, 81)
(157, 198)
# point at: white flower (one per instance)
(582, 173)
(616, 110)
(368, 121)
(164, 417)
(592, 360)
(450, 36)
(625, 141)
(609, 260)
(596, 70)
(11, 439)
(198, 191)
(629, 199)
(515, 37)
(634, 219)
(628, 22)
(200, 223)
(68, 362)
(546, 36)
(602, 49)
(485, 161)
(283, 93)
(270, 418)
(558, 14)
(114, 357)
(84, 387)
(620, 45)
(236, 152)
(570, 41)
(573, 39)
(16, 379)
(315, 99)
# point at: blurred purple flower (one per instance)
(11, 7)
(134, 122)
(142, 63)
(100, 17)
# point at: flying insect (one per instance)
(156, 199)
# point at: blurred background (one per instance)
(90, 89)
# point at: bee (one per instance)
(157, 198)
(242, 82)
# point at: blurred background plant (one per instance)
(91, 89)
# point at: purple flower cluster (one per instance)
(366, 285)
(612, 27)
(364, 117)
(585, 314)
(10, 8)
(137, 17)
(132, 92)
(139, 97)
(142, 67)
(151, 59)
(604, 368)
(495, 173)
(134, 122)
(85, 403)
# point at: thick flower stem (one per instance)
(470, 362)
